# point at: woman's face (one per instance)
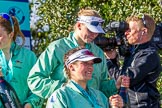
(5, 39)
(82, 71)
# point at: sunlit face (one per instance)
(133, 34)
(5, 40)
(85, 34)
(82, 71)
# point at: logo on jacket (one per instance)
(53, 98)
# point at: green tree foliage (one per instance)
(60, 15)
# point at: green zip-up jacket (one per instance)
(47, 74)
(22, 62)
(69, 96)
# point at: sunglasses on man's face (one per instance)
(7, 17)
(142, 17)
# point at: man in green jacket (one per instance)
(47, 75)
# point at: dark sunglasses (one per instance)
(94, 23)
(8, 18)
(142, 16)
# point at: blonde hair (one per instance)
(150, 23)
(88, 12)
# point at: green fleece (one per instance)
(22, 61)
(69, 96)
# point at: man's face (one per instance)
(86, 35)
(133, 34)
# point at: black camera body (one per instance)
(119, 40)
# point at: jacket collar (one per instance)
(72, 38)
(14, 48)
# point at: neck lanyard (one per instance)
(7, 68)
(85, 93)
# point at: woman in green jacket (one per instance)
(76, 93)
(16, 61)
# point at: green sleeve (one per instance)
(107, 86)
(35, 101)
(43, 78)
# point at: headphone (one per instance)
(143, 32)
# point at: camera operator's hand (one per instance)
(124, 81)
(111, 54)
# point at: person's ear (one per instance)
(144, 31)
(11, 35)
(71, 67)
(78, 24)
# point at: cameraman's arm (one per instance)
(112, 63)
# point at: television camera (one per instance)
(119, 40)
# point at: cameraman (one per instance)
(142, 65)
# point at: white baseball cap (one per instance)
(82, 55)
(94, 24)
